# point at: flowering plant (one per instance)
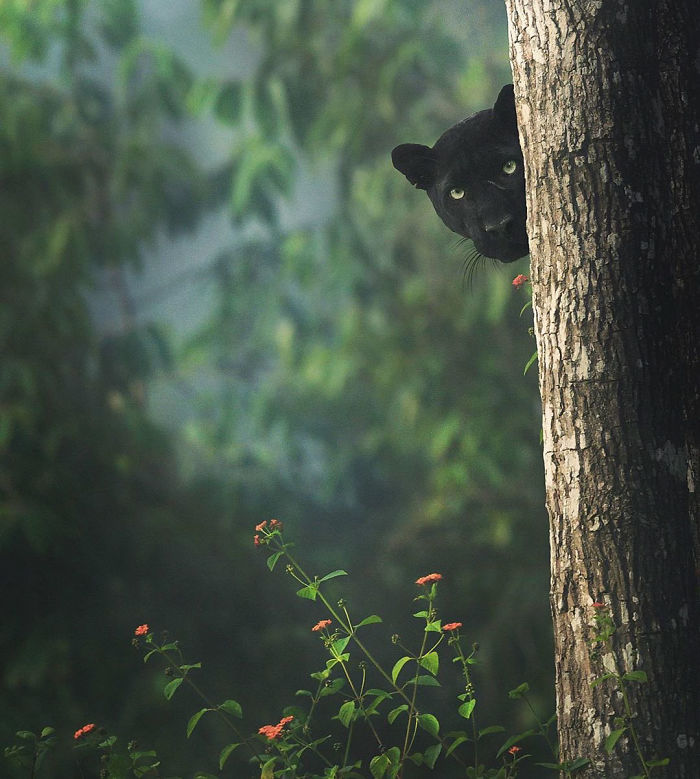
(355, 701)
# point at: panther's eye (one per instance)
(510, 167)
(456, 194)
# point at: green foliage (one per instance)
(299, 744)
(342, 373)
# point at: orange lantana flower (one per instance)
(429, 579)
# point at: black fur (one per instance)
(472, 157)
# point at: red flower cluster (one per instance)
(452, 626)
(514, 750)
(274, 731)
(267, 528)
(84, 730)
(429, 579)
(519, 280)
(324, 623)
(599, 605)
(141, 630)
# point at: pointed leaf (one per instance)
(431, 754)
(225, 752)
(272, 560)
(194, 719)
(372, 619)
(310, 592)
(378, 765)
(430, 723)
(430, 662)
(491, 729)
(529, 363)
(426, 681)
(459, 740)
(398, 665)
(612, 739)
(346, 713)
(394, 713)
(340, 644)
(231, 707)
(332, 575)
(170, 687)
(466, 709)
(602, 678)
(635, 676)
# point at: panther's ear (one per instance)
(504, 109)
(417, 162)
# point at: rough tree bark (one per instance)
(609, 112)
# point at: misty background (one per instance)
(221, 304)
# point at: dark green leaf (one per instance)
(231, 707)
(431, 754)
(613, 738)
(194, 719)
(170, 687)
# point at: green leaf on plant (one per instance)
(194, 719)
(340, 644)
(602, 678)
(170, 687)
(466, 709)
(459, 740)
(332, 688)
(332, 575)
(309, 592)
(421, 614)
(515, 740)
(231, 707)
(431, 662)
(378, 765)
(491, 729)
(519, 691)
(426, 681)
(431, 755)
(398, 665)
(304, 692)
(657, 763)
(529, 363)
(346, 713)
(272, 560)
(148, 654)
(635, 676)
(190, 666)
(394, 713)
(47, 732)
(434, 627)
(430, 723)
(576, 765)
(368, 621)
(612, 739)
(268, 770)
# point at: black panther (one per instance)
(474, 177)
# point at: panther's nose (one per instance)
(498, 225)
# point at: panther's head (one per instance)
(474, 177)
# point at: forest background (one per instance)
(221, 304)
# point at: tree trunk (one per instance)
(609, 115)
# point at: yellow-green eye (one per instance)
(510, 167)
(456, 194)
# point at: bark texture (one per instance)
(609, 116)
